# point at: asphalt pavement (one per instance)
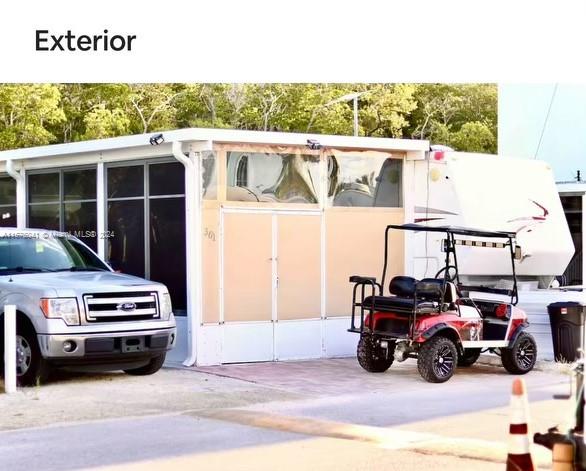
(324, 414)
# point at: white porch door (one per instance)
(271, 285)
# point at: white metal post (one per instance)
(195, 321)
(10, 348)
(193, 242)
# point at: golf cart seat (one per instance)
(429, 293)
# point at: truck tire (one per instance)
(150, 368)
(437, 359)
(372, 357)
(469, 357)
(31, 368)
(521, 356)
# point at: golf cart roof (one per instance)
(456, 230)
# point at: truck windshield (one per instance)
(51, 254)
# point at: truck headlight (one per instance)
(61, 308)
(166, 306)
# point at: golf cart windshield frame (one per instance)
(450, 250)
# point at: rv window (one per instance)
(272, 178)
(365, 181)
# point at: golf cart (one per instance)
(440, 321)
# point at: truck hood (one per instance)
(80, 282)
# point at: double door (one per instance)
(271, 285)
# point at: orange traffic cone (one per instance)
(519, 457)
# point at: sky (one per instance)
(547, 122)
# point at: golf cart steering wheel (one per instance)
(451, 276)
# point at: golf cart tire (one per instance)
(511, 358)
(154, 365)
(469, 357)
(372, 357)
(426, 359)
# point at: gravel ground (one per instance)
(83, 397)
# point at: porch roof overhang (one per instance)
(415, 148)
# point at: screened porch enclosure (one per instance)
(257, 258)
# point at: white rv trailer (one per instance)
(256, 233)
(506, 194)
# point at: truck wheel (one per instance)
(150, 368)
(521, 356)
(31, 368)
(469, 357)
(437, 359)
(372, 357)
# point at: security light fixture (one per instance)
(156, 140)
(313, 144)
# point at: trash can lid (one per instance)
(567, 304)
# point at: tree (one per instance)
(101, 122)
(153, 106)
(85, 104)
(474, 137)
(25, 113)
(461, 116)
(443, 109)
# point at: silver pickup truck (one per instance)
(75, 312)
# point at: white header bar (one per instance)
(295, 40)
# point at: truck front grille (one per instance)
(119, 307)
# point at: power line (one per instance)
(555, 88)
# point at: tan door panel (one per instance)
(247, 267)
(299, 267)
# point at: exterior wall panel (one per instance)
(355, 246)
(210, 264)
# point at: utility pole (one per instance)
(349, 97)
(356, 114)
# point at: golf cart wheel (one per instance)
(437, 359)
(372, 357)
(521, 356)
(31, 368)
(469, 357)
(154, 365)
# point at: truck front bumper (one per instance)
(110, 345)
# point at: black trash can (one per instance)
(567, 329)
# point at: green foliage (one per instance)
(462, 116)
(101, 122)
(444, 109)
(474, 137)
(26, 111)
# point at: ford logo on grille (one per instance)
(126, 307)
